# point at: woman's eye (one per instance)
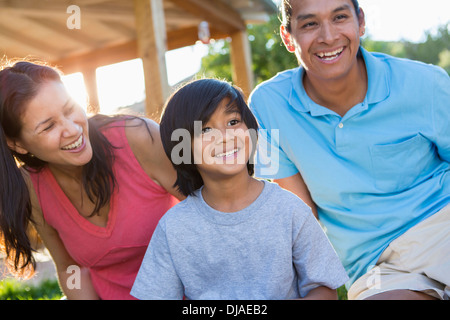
(48, 127)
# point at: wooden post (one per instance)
(241, 62)
(152, 46)
(90, 82)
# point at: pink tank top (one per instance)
(113, 253)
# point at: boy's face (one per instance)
(324, 36)
(222, 147)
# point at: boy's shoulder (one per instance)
(284, 199)
(181, 211)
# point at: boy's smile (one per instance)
(224, 143)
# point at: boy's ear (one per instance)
(15, 146)
(287, 39)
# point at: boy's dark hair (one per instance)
(197, 101)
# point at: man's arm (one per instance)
(297, 186)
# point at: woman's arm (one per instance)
(75, 281)
(150, 154)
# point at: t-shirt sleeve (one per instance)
(157, 278)
(315, 260)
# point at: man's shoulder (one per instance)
(408, 66)
(278, 82)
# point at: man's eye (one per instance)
(341, 17)
(308, 25)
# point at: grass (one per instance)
(342, 293)
(11, 289)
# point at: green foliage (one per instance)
(270, 56)
(11, 289)
(268, 52)
(435, 49)
(342, 293)
(217, 63)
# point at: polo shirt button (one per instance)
(341, 125)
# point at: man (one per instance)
(363, 138)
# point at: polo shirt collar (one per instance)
(378, 87)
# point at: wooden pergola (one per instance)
(82, 35)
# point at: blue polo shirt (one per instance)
(374, 173)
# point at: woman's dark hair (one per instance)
(19, 84)
(197, 101)
(286, 12)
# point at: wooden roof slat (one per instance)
(29, 41)
(75, 35)
(216, 12)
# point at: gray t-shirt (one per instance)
(273, 249)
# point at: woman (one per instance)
(94, 189)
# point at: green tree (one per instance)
(435, 49)
(268, 54)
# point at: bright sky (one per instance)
(122, 84)
(392, 20)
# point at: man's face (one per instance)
(325, 36)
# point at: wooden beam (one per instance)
(241, 62)
(75, 35)
(216, 12)
(127, 51)
(189, 36)
(57, 8)
(36, 45)
(98, 58)
(152, 46)
(90, 82)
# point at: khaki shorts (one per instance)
(419, 260)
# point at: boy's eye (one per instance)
(233, 122)
(206, 129)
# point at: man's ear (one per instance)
(362, 22)
(15, 146)
(287, 39)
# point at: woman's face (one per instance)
(223, 147)
(55, 128)
(325, 36)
